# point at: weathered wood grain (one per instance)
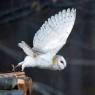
(11, 92)
(15, 81)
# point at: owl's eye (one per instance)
(62, 62)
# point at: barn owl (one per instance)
(48, 40)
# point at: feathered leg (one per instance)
(20, 64)
(26, 48)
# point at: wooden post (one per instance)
(18, 81)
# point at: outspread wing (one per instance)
(54, 32)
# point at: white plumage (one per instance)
(48, 40)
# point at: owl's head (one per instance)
(61, 62)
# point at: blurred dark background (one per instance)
(20, 19)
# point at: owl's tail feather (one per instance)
(26, 48)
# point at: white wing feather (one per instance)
(54, 32)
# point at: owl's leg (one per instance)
(23, 66)
(20, 64)
(26, 48)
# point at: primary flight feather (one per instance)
(48, 40)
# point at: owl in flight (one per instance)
(48, 40)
